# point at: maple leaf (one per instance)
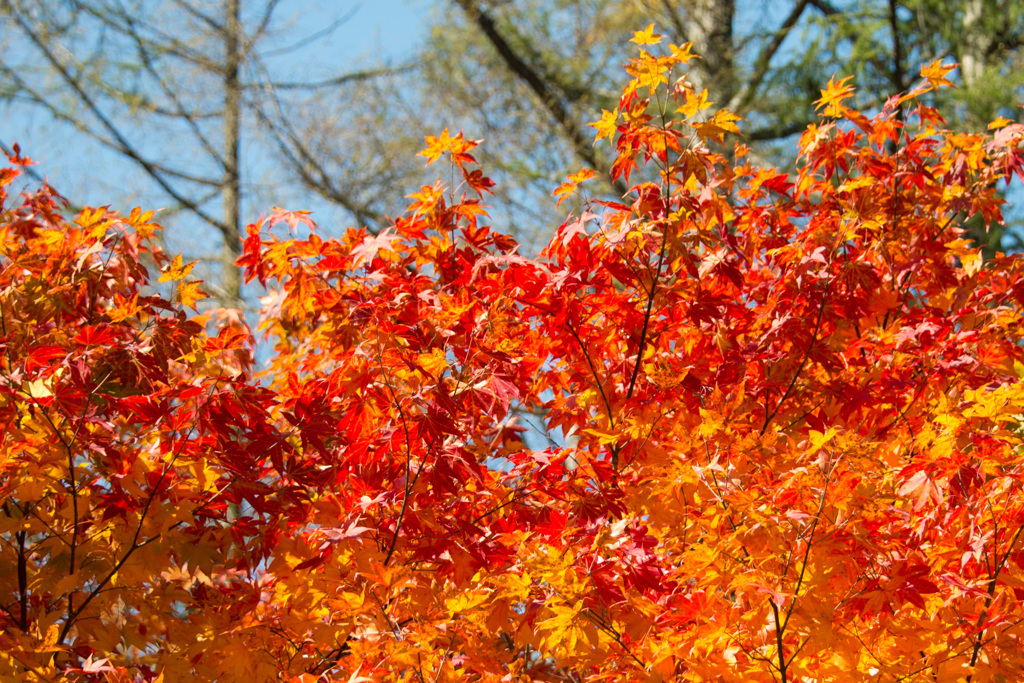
(646, 37)
(176, 270)
(935, 73)
(682, 54)
(478, 182)
(606, 126)
(833, 95)
(189, 293)
(436, 146)
(564, 190)
(141, 222)
(124, 308)
(470, 210)
(717, 126)
(649, 71)
(922, 489)
(694, 102)
(356, 678)
(337, 535)
(504, 391)
(364, 252)
(434, 363)
(291, 218)
(571, 228)
(42, 357)
(457, 146)
(96, 666)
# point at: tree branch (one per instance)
(583, 148)
(746, 93)
(123, 146)
(352, 77)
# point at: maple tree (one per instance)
(783, 412)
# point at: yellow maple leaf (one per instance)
(465, 602)
(457, 146)
(94, 221)
(425, 199)
(436, 146)
(649, 71)
(39, 388)
(606, 126)
(177, 270)
(681, 53)
(717, 126)
(646, 37)
(140, 220)
(603, 437)
(694, 103)
(433, 363)
(819, 439)
(562, 625)
(51, 637)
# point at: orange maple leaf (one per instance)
(456, 145)
(436, 146)
(717, 126)
(568, 187)
(935, 74)
(694, 103)
(833, 95)
(189, 293)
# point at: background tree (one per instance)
(178, 88)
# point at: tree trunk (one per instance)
(972, 58)
(710, 30)
(230, 277)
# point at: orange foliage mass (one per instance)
(783, 413)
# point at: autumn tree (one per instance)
(782, 414)
(114, 488)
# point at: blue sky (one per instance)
(373, 31)
(388, 28)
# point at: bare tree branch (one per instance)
(780, 130)
(169, 44)
(581, 144)
(305, 41)
(170, 93)
(123, 146)
(302, 160)
(746, 93)
(342, 79)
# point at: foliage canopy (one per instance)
(783, 412)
